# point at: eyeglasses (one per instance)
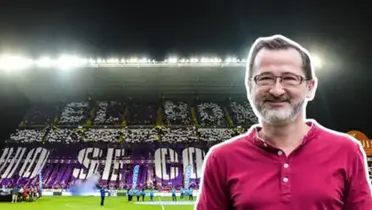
(287, 79)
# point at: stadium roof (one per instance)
(208, 81)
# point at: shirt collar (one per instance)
(311, 134)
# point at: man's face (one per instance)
(279, 103)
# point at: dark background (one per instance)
(186, 28)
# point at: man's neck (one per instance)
(286, 137)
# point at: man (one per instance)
(182, 193)
(174, 197)
(103, 195)
(24, 193)
(32, 193)
(143, 194)
(191, 194)
(152, 194)
(15, 194)
(138, 194)
(285, 162)
(130, 194)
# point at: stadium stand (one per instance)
(68, 143)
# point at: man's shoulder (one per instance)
(233, 144)
(338, 139)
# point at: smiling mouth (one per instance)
(277, 103)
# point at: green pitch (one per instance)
(93, 203)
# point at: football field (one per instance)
(93, 203)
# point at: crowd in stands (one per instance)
(135, 122)
(142, 113)
(41, 114)
(216, 134)
(140, 135)
(74, 113)
(109, 113)
(211, 115)
(64, 135)
(207, 114)
(243, 113)
(178, 135)
(28, 136)
(177, 113)
(102, 135)
(123, 135)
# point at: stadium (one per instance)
(106, 117)
(122, 119)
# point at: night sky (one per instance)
(186, 28)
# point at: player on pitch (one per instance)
(174, 197)
(103, 195)
(152, 194)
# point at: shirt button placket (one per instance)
(285, 181)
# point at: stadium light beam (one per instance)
(44, 62)
(316, 61)
(68, 62)
(172, 60)
(8, 62)
(231, 60)
(92, 61)
(15, 62)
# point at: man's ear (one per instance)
(311, 89)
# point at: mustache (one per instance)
(272, 98)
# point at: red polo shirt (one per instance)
(328, 171)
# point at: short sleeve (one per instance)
(358, 193)
(213, 193)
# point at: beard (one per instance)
(278, 115)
